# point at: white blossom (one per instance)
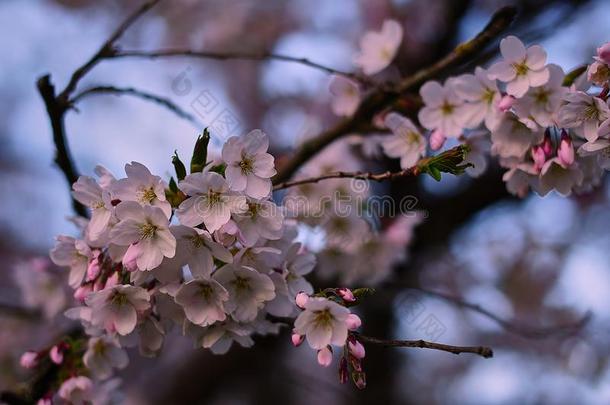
(521, 68)
(444, 110)
(143, 187)
(406, 142)
(197, 249)
(203, 301)
(323, 322)
(77, 390)
(248, 290)
(542, 103)
(512, 138)
(72, 253)
(262, 220)
(378, 48)
(104, 354)
(210, 201)
(585, 113)
(249, 166)
(145, 229)
(116, 308)
(482, 98)
(92, 195)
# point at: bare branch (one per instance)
(131, 91)
(482, 351)
(382, 98)
(258, 56)
(106, 50)
(19, 312)
(512, 326)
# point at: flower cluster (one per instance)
(211, 254)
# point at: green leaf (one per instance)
(572, 75)
(220, 169)
(451, 161)
(178, 166)
(200, 152)
(172, 185)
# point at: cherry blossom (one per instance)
(249, 166)
(346, 96)
(196, 248)
(323, 322)
(92, 195)
(145, 229)
(116, 308)
(203, 301)
(482, 98)
(378, 49)
(406, 143)
(444, 110)
(77, 390)
(72, 253)
(103, 355)
(210, 201)
(521, 68)
(143, 187)
(585, 113)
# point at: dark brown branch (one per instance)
(106, 50)
(482, 351)
(258, 56)
(412, 171)
(512, 326)
(131, 91)
(382, 98)
(19, 312)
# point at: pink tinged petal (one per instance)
(598, 145)
(130, 210)
(232, 150)
(353, 322)
(297, 339)
(319, 337)
(150, 256)
(430, 118)
(501, 71)
(506, 103)
(257, 187)
(99, 222)
(468, 87)
(590, 130)
(220, 252)
(536, 57)
(325, 357)
(339, 333)
(512, 49)
(235, 178)
(392, 31)
(194, 184)
(216, 216)
(432, 93)
(125, 319)
(264, 165)
(125, 232)
(256, 142)
(189, 212)
(437, 140)
(538, 77)
(518, 87)
(201, 263)
(356, 349)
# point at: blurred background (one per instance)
(536, 262)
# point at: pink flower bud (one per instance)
(130, 258)
(353, 322)
(301, 300)
(603, 53)
(547, 145)
(56, 354)
(93, 270)
(44, 401)
(538, 156)
(437, 139)
(346, 294)
(506, 103)
(112, 280)
(565, 152)
(325, 357)
(356, 349)
(297, 339)
(81, 292)
(29, 360)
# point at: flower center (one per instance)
(591, 112)
(447, 108)
(412, 137)
(214, 197)
(99, 348)
(521, 69)
(147, 195)
(253, 209)
(323, 318)
(246, 165)
(119, 299)
(488, 96)
(241, 284)
(541, 96)
(147, 230)
(197, 241)
(206, 291)
(98, 204)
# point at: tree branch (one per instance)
(482, 351)
(259, 56)
(105, 51)
(382, 98)
(131, 91)
(511, 326)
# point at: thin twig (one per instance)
(482, 351)
(106, 50)
(383, 98)
(512, 326)
(412, 171)
(168, 53)
(131, 91)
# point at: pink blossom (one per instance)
(325, 357)
(29, 360)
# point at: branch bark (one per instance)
(482, 351)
